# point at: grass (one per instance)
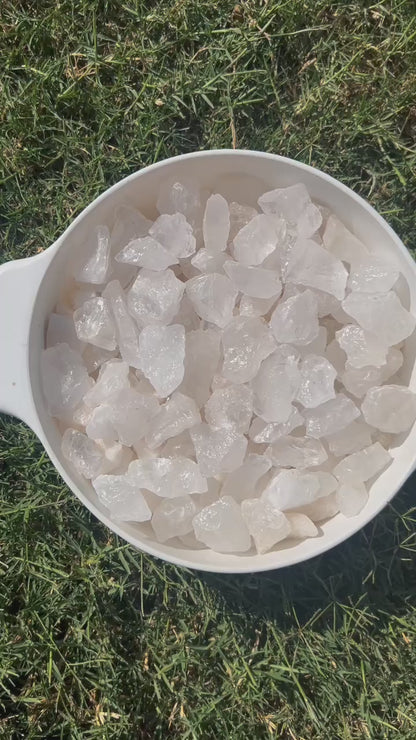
(97, 640)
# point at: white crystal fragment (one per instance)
(94, 323)
(122, 497)
(167, 477)
(297, 452)
(300, 525)
(176, 415)
(327, 482)
(267, 525)
(317, 346)
(276, 384)
(213, 297)
(317, 378)
(372, 275)
(82, 452)
(112, 378)
(126, 330)
(341, 242)
(295, 320)
(94, 357)
(202, 356)
(246, 342)
(221, 527)
(209, 262)
(255, 307)
(154, 297)
(64, 378)
(390, 408)
(175, 234)
(357, 381)
(96, 269)
(362, 465)
(61, 330)
(313, 266)
(351, 499)
(146, 252)
(180, 445)
(309, 221)
(352, 438)
(131, 414)
(116, 457)
(162, 352)
(186, 315)
(289, 203)
(263, 432)
(230, 407)
(256, 240)
(290, 489)
(324, 508)
(218, 450)
(382, 314)
(216, 224)
(242, 483)
(361, 347)
(330, 417)
(254, 281)
(173, 517)
(100, 426)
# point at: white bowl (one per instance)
(30, 288)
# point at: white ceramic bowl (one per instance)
(30, 288)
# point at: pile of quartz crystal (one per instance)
(229, 373)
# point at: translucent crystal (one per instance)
(221, 527)
(341, 242)
(94, 323)
(290, 489)
(289, 203)
(209, 262)
(361, 347)
(309, 221)
(327, 482)
(180, 197)
(262, 432)
(216, 224)
(218, 450)
(256, 240)
(382, 314)
(246, 342)
(129, 224)
(126, 329)
(330, 417)
(146, 252)
(213, 297)
(242, 483)
(179, 446)
(173, 517)
(167, 477)
(295, 321)
(296, 452)
(311, 265)
(351, 499)
(324, 508)
(254, 281)
(317, 346)
(122, 497)
(116, 457)
(300, 525)
(359, 380)
(176, 415)
(162, 352)
(202, 356)
(100, 426)
(317, 377)
(230, 407)
(83, 453)
(362, 465)
(266, 525)
(94, 357)
(276, 384)
(154, 297)
(65, 379)
(186, 315)
(61, 330)
(96, 268)
(352, 438)
(390, 408)
(372, 275)
(240, 215)
(175, 234)
(112, 378)
(131, 414)
(255, 307)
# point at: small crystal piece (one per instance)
(289, 203)
(213, 297)
(317, 377)
(313, 266)
(82, 452)
(242, 483)
(297, 452)
(131, 414)
(309, 221)
(173, 517)
(256, 240)
(361, 347)
(167, 477)
(266, 525)
(324, 508)
(254, 281)
(362, 465)
(179, 446)
(276, 384)
(94, 323)
(230, 407)
(202, 356)
(162, 352)
(112, 378)
(146, 252)
(218, 450)
(96, 269)
(246, 342)
(176, 415)
(65, 379)
(290, 489)
(342, 243)
(295, 320)
(154, 297)
(122, 497)
(262, 432)
(126, 329)
(352, 438)
(382, 314)
(221, 527)
(330, 417)
(372, 275)
(351, 499)
(390, 408)
(216, 224)
(175, 234)
(255, 307)
(208, 262)
(300, 525)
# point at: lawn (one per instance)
(97, 640)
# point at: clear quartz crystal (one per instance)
(246, 342)
(276, 384)
(126, 330)
(202, 356)
(300, 525)
(176, 415)
(263, 432)
(390, 408)
(154, 297)
(313, 266)
(230, 407)
(242, 483)
(122, 497)
(295, 320)
(162, 352)
(208, 262)
(240, 215)
(96, 269)
(382, 314)
(221, 527)
(173, 517)
(255, 307)
(94, 323)
(112, 378)
(363, 465)
(341, 242)
(371, 274)
(65, 379)
(146, 252)
(213, 298)
(256, 240)
(175, 234)
(290, 489)
(297, 452)
(254, 281)
(84, 454)
(330, 417)
(352, 438)
(289, 203)
(216, 224)
(167, 477)
(267, 525)
(361, 347)
(317, 377)
(218, 450)
(351, 499)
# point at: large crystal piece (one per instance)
(216, 224)
(254, 281)
(218, 450)
(317, 346)
(242, 483)
(311, 265)
(230, 407)
(221, 527)
(129, 224)
(112, 378)
(390, 408)
(323, 508)
(246, 342)
(276, 384)
(352, 438)
(96, 269)
(154, 297)
(122, 497)
(146, 252)
(176, 415)
(382, 314)
(295, 321)
(361, 347)
(173, 517)
(82, 452)
(330, 417)
(65, 379)
(256, 240)
(309, 221)
(167, 477)
(351, 499)
(213, 297)
(262, 432)
(372, 275)
(175, 234)
(126, 329)
(267, 525)
(289, 203)
(255, 307)
(362, 465)
(162, 352)
(131, 415)
(342, 243)
(297, 452)
(317, 377)
(202, 356)
(290, 489)
(94, 323)
(300, 525)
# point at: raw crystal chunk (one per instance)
(173, 517)
(357, 381)
(202, 356)
(361, 347)
(317, 346)
(300, 525)
(179, 446)
(122, 497)
(341, 242)
(83, 453)
(230, 407)
(390, 408)
(116, 457)
(311, 265)
(167, 477)
(289, 203)
(351, 498)
(255, 307)
(323, 508)
(175, 234)
(216, 224)
(213, 297)
(330, 417)
(61, 330)
(131, 414)
(65, 379)
(352, 438)
(362, 465)
(382, 314)
(394, 361)
(254, 281)
(221, 527)
(246, 342)
(290, 489)
(297, 452)
(94, 323)
(162, 352)
(112, 378)
(126, 329)
(100, 425)
(180, 197)
(256, 240)
(174, 417)
(242, 483)
(154, 297)
(218, 450)
(209, 262)
(240, 215)
(262, 432)
(276, 384)
(317, 377)
(295, 321)
(327, 482)
(267, 525)
(129, 224)
(146, 252)
(372, 275)
(309, 221)
(96, 269)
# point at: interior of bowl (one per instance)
(240, 176)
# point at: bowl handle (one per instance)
(19, 283)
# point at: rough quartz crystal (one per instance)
(297, 452)
(276, 384)
(94, 323)
(263, 432)
(290, 202)
(300, 525)
(176, 415)
(240, 215)
(342, 243)
(267, 525)
(361, 347)
(362, 465)
(352, 438)
(154, 297)
(256, 240)
(351, 498)
(246, 342)
(162, 352)
(382, 314)
(330, 417)
(317, 377)
(295, 320)
(255, 307)
(311, 265)
(112, 378)
(242, 483)
(175, 234)
(290, 489)
(202, 356)
(372, 275)
(216, 224)
(173, 517)
(146, 252)
(97, 267)
(65, 379)
(218, 450)
(254, 281)
(126, 330)
(122, 498)
(213, 297)
(83, 453)
(167, 477)
(230, 407)
(221, 527)
(390, 408)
